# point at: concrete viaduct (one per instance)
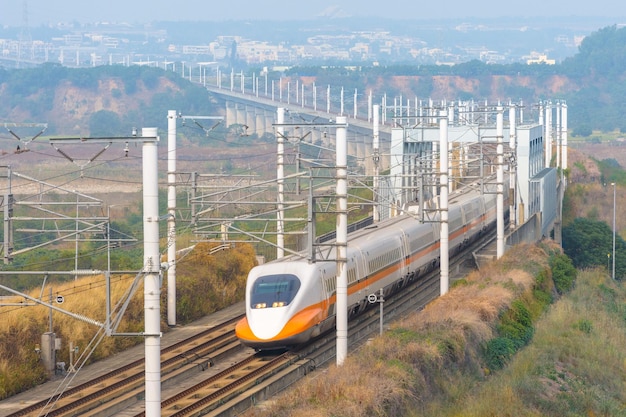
(258, 115)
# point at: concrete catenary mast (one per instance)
(342, 240)
(512, 166)
(171, 217)
(443, 203)
(376, 159)
(152, 277)
(500, 183)
(280, 178)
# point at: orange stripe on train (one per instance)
(301, 321)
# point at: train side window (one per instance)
(351, 275)
(330, 285)
(274, 290)
(423, 239)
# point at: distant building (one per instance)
(540, 59)
(196, 49)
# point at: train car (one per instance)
(290, 301)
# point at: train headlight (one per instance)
(278, 304)
(260, 305)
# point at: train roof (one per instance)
(456, 197)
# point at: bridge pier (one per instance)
(261, 116)
(259, 127)
(241, 114)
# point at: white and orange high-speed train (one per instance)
(289, 301)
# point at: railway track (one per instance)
(322, 350)
(261, 376)
(239, 386)
(210, 393)
(125, 384)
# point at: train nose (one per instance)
(267, 323)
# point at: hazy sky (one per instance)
(41, 11)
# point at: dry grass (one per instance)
(429, 364)
(21, 329)
(575, 366)
(360, 389)
(426, 360)
(205, 282)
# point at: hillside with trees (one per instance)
(592, 81)
(112, 99)
(100, 101)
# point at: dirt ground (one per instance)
(604, 150)
(41, 172)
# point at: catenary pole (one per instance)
(280, 179)
(376, 158)
(342, 240)
(613, 267)
(152, 279)
(171, 217)
(500, 183)
(513, 166)
(443, 204)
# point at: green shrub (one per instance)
(563, 273)
(515, 330)
(498, 351)
(584, 326)
(516, 325)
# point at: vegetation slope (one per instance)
(456, 357)
(521, 337)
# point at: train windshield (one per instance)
(274, 290)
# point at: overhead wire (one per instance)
(76, 290)
(91, 167)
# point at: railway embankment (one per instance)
(522, 336)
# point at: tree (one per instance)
(105, 123)
(589, 244)
(582, 130)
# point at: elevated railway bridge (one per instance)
(397, 142)
(403, 149)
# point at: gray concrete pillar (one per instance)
(240, 114)
(230, 113)
(48, 351)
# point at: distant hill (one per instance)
(106, 100)
(112, 99)
(592, 81)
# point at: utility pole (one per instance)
(152, 261)
(25, 36)
(171, 217)
(512, 166)
(172, 116)
(500, 183)
(280, 179)
(376, 159)
(444, 255)
(342, 240)
(152, 277)
(613, 270)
